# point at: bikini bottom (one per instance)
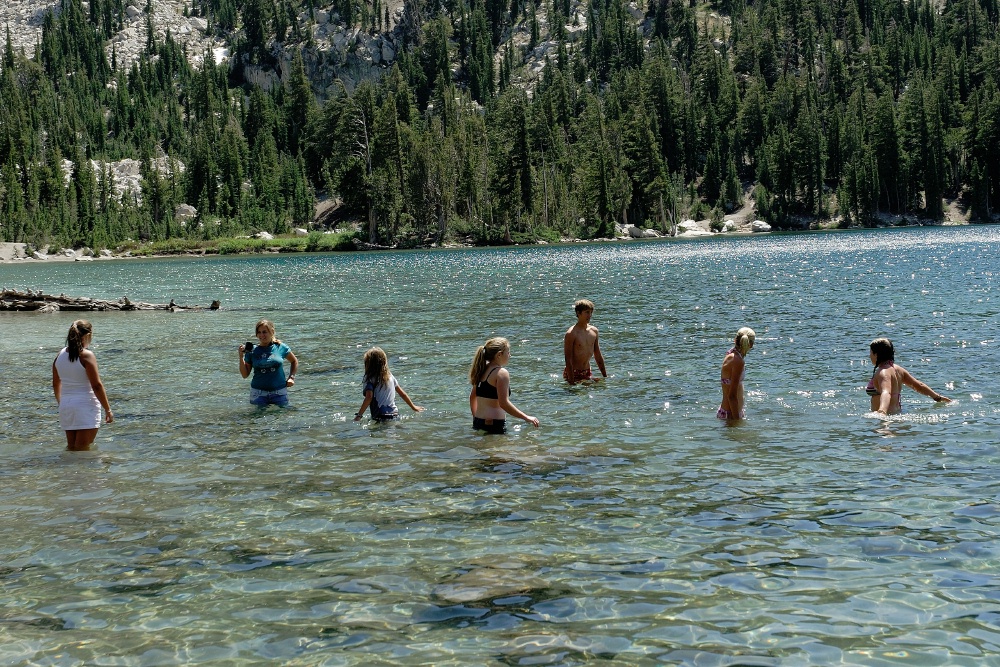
(490, 425)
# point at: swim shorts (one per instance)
(579, 374)
(263, 397)
(490, 425)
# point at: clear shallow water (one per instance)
(631, 528)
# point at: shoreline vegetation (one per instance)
(353, 241)
(506, 123)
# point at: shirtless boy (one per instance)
(580, 344)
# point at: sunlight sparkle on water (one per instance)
(632, 525)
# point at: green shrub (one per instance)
(293, 244)
(537, 234)
(243, 245)
(319, 242)
(716, 223)
(174, 246)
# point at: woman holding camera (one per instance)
(267, 359)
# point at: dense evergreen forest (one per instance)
(828, 108)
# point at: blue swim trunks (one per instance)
(264, 397)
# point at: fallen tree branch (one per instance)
(49, 303)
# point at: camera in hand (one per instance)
(248, 347)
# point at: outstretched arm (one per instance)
(405, 397)
(922, 388)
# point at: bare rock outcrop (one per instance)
(25, 17)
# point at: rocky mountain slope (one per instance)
(334, 51)
(24, 20)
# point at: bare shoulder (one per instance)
(887, 374)
(592, 329)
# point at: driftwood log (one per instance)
(49, 303)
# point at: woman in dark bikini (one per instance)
(490, 397)
(888, 380)
(733, 370)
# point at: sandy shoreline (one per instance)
(17, 252)
(9, 251)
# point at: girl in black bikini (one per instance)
(490, 397)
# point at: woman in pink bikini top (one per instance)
(733, 370)
(888, 379)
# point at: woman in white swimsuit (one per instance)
(78, 389)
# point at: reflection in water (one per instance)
(633, 527)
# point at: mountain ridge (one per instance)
(498, 121)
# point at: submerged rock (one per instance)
(486, 583)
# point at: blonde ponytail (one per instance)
(745, 339)
(478, 364)
(485, 354)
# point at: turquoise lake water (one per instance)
(632, 528)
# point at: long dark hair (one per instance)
(74, 339)
(883, 350)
